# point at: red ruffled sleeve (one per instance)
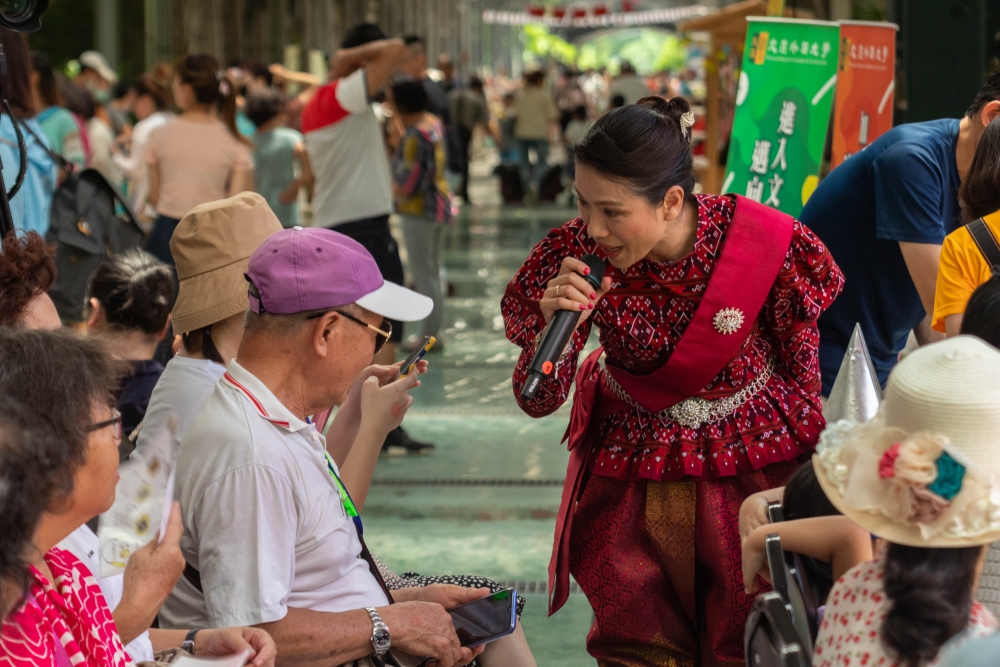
(523, 320)
(807, 284)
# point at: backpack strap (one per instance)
(60, 161)
(986, 242)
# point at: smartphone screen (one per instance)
(426, 344)
(487, 618)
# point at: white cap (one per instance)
(97, 62)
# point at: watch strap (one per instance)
(188, 643)
(378, 624)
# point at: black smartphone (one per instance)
(486, 619)
(425, 345)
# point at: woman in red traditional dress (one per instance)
(709, 390)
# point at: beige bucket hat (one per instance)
(925, 471)
(211, 246)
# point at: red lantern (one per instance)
(559, 12)
(627, 6)
(600, 10)
(580, 13)
(534, 10)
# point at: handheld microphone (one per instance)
(558, 333)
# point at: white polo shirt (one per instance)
(263, 520)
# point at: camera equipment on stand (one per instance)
(558, 332)
(21, 16)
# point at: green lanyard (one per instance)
(349, 508)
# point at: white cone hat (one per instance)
(856, 393)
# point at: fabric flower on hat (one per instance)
(887, 464)
(950, 474)
(913, 466)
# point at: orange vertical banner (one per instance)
(865, 84)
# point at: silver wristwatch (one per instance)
(381, 639)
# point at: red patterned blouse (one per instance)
(65, 623)
(642, 319)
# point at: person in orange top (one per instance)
(963, 266)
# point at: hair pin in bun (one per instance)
(686, 120)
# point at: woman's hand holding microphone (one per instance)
(570, 290)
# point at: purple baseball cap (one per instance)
(298, 269)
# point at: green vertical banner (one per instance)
(783, 102)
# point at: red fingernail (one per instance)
(593, 295)
(586, 271)
(591, 306)
(581, 306)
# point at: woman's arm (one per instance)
(152, 184)
(832, 539)
(806, 285)
(305, 169)
(240, 181)
(526, 319)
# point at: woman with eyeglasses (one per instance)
(63, 618)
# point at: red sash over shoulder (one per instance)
(752, 255)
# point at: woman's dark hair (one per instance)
(76, 98)
(263, 105)
(535, 78)
(409, 96)
(17, 82)
(980, 191)
(643, 146)
(147, 86)
(982, 313)
(135, 289)
(930, 597)
(200, 340)
(47, 88)
(27, 269)
(211, 85)
(60, 375)
(29, 481)
(803, 497)
(361, 34)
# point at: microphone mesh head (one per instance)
(597, 268)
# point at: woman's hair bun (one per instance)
(649, 151)
(676, 109)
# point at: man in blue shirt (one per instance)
(884, 214)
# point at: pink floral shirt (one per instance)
(62, 625)
(855, 608)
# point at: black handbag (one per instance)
(89, 220)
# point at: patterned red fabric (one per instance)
(68, 624)
(641, 321)
(660, 563)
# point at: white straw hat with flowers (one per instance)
(925, 471)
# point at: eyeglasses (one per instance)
(115, 423)
(380, 339)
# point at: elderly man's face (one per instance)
(349, 349)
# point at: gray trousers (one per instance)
(424, 238)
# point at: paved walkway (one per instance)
(485, 501)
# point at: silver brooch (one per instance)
(728, 320)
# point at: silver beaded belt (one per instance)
(694, 412)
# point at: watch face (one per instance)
(381, 638)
